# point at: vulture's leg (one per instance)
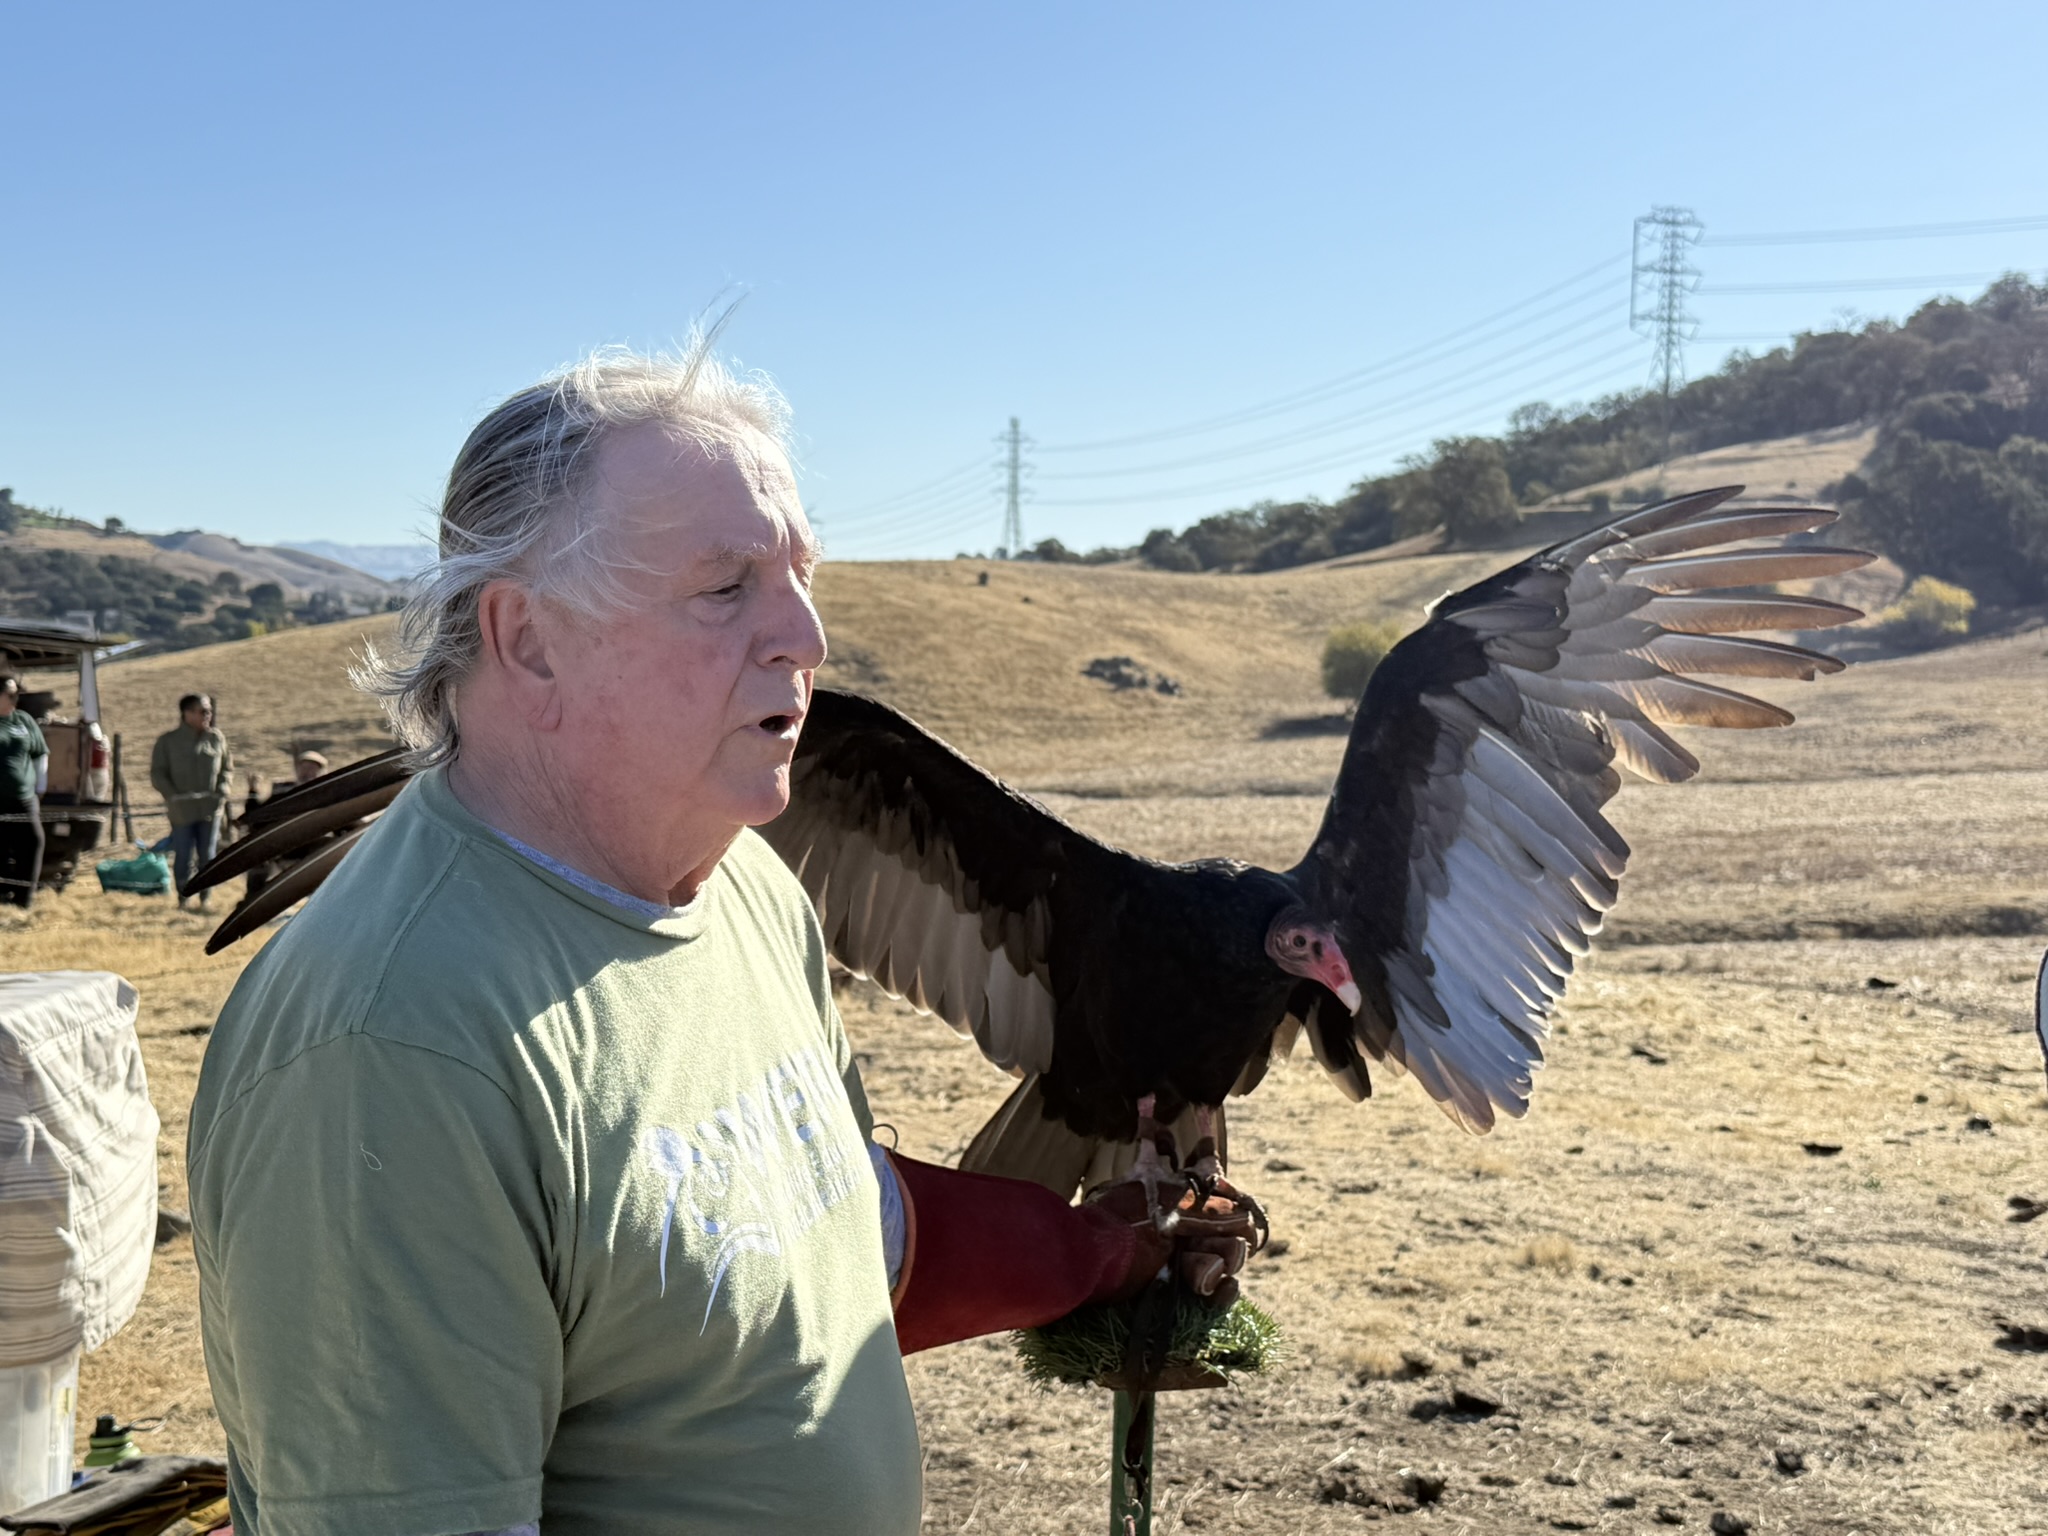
(1205, 1161)
(1157, 1166)
(1205, 1172)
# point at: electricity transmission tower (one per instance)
(1661, 277)
(1013, 443)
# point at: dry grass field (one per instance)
(1803, 465)
(1684, 1301)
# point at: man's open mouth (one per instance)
(781, 725)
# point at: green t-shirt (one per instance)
(511, 1204)
(21, 743)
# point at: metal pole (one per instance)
(1130, 1498)
(121, 791)
(1013, 511)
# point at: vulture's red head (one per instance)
(1304, 947)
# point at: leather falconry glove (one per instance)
(987, 1255)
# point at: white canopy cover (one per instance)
(77, 1163)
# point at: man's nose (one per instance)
(799, 634)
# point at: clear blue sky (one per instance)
(264, 265)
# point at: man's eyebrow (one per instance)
(725, 556)
(806, 552)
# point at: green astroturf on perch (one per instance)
(1090, 1346)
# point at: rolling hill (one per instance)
(200, 556)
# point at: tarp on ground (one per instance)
(77, 1163)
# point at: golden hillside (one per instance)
(1802, 467)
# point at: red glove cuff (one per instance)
(984, 1255)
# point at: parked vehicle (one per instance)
(78, 806)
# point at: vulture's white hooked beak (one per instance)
(1331, 968)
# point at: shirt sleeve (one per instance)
(849, 1071)
(224, 775)
(373, 1234)
(160, 768)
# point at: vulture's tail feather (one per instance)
(1019, 1142)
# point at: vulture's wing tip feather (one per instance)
(289, 889)
(1464, 856)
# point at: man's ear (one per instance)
(514, 631)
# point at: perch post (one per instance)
(1130, 1498)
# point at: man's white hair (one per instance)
(516, 509)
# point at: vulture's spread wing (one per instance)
(1464, 857)
(929, 876)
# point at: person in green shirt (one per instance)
(192, 768)
(532, 1178)
(24, 762)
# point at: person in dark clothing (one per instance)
(24, 764)
(193, 770)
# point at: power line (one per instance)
(1485, 373)
(1587, 370)
(1857, 284)
(944, 514)
(915, 493)
(1343, 383)
(2012, 226)
(1486, 368)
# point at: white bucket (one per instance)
(38, 1420)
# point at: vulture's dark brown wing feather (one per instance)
(928, 875)
(287, 839)
(298, 826)
(293, 886)
(1464, 855)
(344, 783)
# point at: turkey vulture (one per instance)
(1463, 862)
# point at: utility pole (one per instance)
(1661, 277)
(1012, 443)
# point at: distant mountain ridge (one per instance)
(388, 562)
(300, 572)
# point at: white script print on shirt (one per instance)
(761, 1171)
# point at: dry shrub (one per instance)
(1929, 613)
(1352, 653)
(1550, 1252)
(1492, 1165)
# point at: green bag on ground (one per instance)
(147, 874)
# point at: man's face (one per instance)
(199, 716)
(681, 711)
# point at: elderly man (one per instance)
(193, 770)
(532, 1178)
(24, 765)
